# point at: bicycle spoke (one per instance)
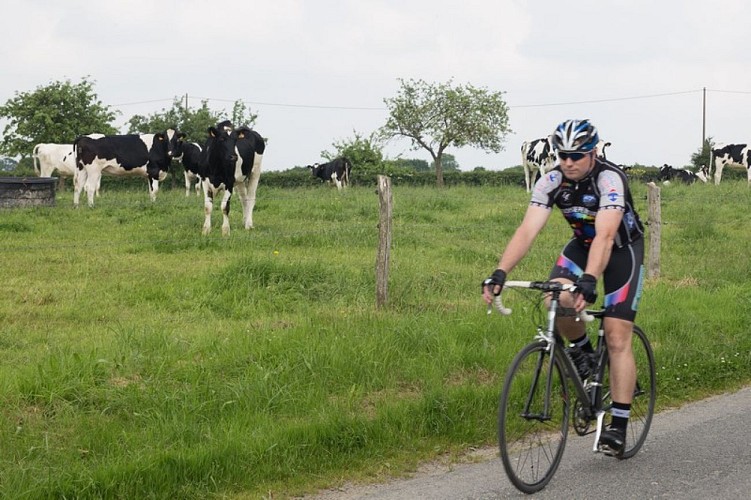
(532, 440)
(642, 406)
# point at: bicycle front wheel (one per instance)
(533, 418)
(645, 393)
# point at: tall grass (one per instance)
(143, 360)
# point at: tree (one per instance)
(57, 113)
(242, 116)
(448, 163)
(701, 157)
(437, 116)
(363, 152)
(7, 164)
(415, 164)
(193, 122)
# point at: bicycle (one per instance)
(534, 408)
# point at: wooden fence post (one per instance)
(384, 240)
(655, 229)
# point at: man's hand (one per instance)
(493, 285)
(586, 290)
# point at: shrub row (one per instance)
(301, 177)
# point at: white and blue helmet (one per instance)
(575, 136)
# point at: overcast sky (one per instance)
(317, 71)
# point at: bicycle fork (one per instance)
(600, 413)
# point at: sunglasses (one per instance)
(573, 156)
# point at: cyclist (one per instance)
(594, 197)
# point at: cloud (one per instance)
(317, 71)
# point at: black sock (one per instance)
(619, 414)
(583, 343)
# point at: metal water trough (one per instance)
(27, 192)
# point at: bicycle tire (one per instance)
(531, 447)
(645, 394)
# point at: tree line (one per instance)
(432, 116)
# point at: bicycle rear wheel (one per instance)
(645, 393)
(532, 422)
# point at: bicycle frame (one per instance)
(548, 336)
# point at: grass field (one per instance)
(143, 360)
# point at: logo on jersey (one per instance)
(589, 200)
(565, 198)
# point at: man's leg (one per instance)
(573, 330)
(618, 334)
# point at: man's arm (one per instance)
(534, 220)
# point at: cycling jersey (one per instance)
(605, 188)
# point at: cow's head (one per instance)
(703, 173)
(160, 153)
(220, 145)
(173, 143)
(601, 149)
(666, 173)
(177, 152)
(314, 168)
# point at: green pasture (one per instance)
(140, 359)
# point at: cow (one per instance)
(703, 173)
(249, 150)
(145, 155)
(336, 171)
(537, 156)
(49, 158)
(231, 157)
(601, 149)
(731, 153)
(190, 157)
(667, 173)
(623, 168)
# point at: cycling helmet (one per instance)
(575, 136)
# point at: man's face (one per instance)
(576, 166)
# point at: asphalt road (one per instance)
(700, 451)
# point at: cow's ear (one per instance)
(181, 136)
(159, 136)
(241, 134)
(212, 132)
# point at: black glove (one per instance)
(497, 278)
(587, 286)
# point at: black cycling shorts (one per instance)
(623, 277)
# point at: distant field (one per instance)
(143, 360)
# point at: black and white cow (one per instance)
(601, 149)
(232, 157)
(249, 150)
(51, 157)
(336, 171)
(538, 156)
(145, 155)
(730, 153)
(667, 173)
(61, 158)
(190, 157)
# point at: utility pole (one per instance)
(703, 118)
(186, 106)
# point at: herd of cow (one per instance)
(538, 157)
(230, 158)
